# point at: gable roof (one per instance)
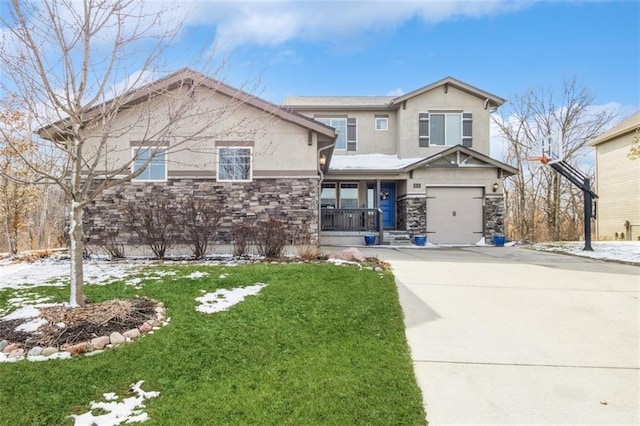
(455, 156)
(318, 103)
(494, 100)
(455, 159)
(187, 76)
(628, 125)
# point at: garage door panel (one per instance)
(454, 215)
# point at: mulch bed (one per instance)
(81, 324)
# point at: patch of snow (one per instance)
(197, 274)
(26, 312)
(370, 162)
(223, 299)
(31, 326)
(626, 251)
(340, 262)
(55, 271)
(223, 276)
(129, 410)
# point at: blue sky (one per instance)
(380, 48)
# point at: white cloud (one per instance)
(395, 92)
(271, 23)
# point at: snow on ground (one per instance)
(625, 251)
(223, 299)
(129, 410)
(54, 271)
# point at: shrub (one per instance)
(153, 223)
(199, 220)
(306, 247)
(242, 239)
(271, 238)
(112, 246)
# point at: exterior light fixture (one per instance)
(495, 187)
(323, 160)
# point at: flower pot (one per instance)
(369, 240)
(420, 240)
(498, 240)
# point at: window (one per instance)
(234, 164)
(340, 124)
(382, 123)
(156, 170)
(445, 129)
(346, 128)
(348, 195)
(328, 196)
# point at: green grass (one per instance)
(319, 345)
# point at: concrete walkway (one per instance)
(512, 336)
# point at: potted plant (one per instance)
(420, 240)
(369, 240)
(499, 240)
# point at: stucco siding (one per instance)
(453, 100)
(191, 143)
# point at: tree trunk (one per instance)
(76, 251)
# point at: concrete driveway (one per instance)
(513, 336)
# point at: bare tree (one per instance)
(537, 197)
(69, 63)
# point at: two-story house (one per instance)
(330, 168)
(421, 158)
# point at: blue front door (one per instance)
(388, 204)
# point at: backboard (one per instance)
(546, 150)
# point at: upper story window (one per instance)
(156, 169)
(234, 164)
(346, 128)
(382, 122)
(445, 129)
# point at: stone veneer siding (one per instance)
(294, 201)
(494, 216)
(412, 215)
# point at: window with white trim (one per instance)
(382, 122)
(329, 196)
(348, 195)
(445, 129)
(155, 170)
(234, 164)
(340, 124)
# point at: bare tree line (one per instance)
(540, 204)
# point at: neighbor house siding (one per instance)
(618, 186)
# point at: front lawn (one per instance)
(320, 344)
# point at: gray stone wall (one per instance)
(494, 216)
(294, 201)
(412, 215)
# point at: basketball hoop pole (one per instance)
(581, 181)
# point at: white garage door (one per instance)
(454, 215)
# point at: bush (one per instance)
(306, 247)
(199, 220)
(271, 238)
(153, 223)
(112, 246)
(242, 239)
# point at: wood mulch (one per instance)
(80, 324)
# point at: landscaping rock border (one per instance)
(13, 352)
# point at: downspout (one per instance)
(320, 188)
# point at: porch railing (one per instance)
(367, 220)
